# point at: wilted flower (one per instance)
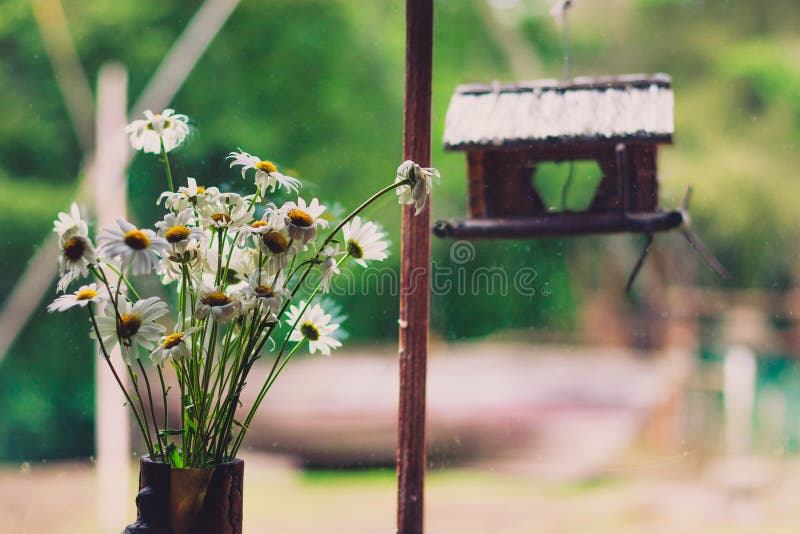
(419, 187)
(328, 266)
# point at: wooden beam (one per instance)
(414, 274)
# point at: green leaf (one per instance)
(239, 424)
(190, 422)
(175, 455)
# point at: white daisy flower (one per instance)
(420, 187)
(134, 247)
(136, 325)
(188, 196)
(328, 266)
(271, 220)
(277, 248)
(233, 201)
(244, 260)
(315, 325)
(169, 268)
(365, 241)
(260, 292)
(71, 223)
(267, 176)
(213, 301)
(335, 310)
(303, 219)
(173, 346)
(179, 230)
(147, 134)
(194, 257)
(76, 256)
(221, 214)
(82, 297)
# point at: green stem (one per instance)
(124, 279)
(273, 373)
(152, 408)
(165, 160)
(361, 208)
(107, 358)
(164, 393)
(147, 436)
(240, 437)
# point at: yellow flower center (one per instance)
(310, 331)
(173, 340)
(128, 325)
(300, 218)
(221, 218)
(85, 294)
(216, 298)
(275, 242)
(176, 234)
(74, 248)
(266, 166)
(259, 224)
(137, 240)
(264, 291)
(200, 191)
(354, 249)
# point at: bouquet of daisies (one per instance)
(247, 276)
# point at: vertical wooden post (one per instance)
(414, 274)
(112, 431)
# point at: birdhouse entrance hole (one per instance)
(567, 186)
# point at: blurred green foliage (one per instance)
(317, 87)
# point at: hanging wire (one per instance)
(567, 185)
(565, 22)
(563, 6)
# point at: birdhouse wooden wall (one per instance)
(501, 181)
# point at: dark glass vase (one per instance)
(188, 501)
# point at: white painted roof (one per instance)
(633, 106)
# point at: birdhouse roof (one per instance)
(632, 107)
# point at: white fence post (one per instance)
(112, 427)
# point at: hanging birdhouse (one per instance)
(509, 130)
